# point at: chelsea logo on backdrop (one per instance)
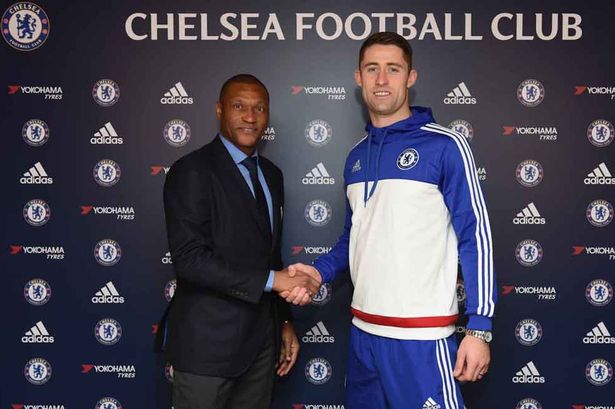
(36, 212)
(107, 252)
(528, 332)
(177, 133)
(106, 92)
(108, 403)
(37, 371)
(317, 213)
(529, 173)
(461, 293)
(408, 159)
(107, 172)
(318, 132)
(599, 213)
(323, 296)
(528, 403)
(169, 289)
(37, 292)
(168, 372)
(529, 253)
(600, 133)
(463, 127)
(108, 331)
(531, 93)
(599, 292)
(35, 132)
(318, 371)
(25, 26)
(599, 372)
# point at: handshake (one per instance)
(297, 283)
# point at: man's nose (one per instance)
(382, 77)
(249, 115)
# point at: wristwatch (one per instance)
(485, 336)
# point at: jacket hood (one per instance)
(420, 116)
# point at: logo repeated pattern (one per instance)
(38, 179)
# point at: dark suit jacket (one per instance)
(218, 319)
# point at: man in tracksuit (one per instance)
(414, 208)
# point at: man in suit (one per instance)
(224, 206)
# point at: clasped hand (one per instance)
(297, 283)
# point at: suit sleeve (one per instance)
(283, 307)
(336, 261)
(466, 205)
(188, 218)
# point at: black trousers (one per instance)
(251, 390)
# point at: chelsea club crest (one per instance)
(25, 26)
(408, 159)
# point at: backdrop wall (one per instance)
(100, 99)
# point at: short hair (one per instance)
(241, 79)
(388, 38)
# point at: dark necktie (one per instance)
(259, 194)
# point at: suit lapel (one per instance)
(228, 167)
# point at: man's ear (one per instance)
(412, 77)
(218, 109)
(357, 78)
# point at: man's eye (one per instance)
(260, 109)
(237, 106)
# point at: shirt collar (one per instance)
(235, 152)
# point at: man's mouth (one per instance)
(248, 130)
(382, 93)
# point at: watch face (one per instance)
(480, 334)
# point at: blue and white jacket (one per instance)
(414, 208)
